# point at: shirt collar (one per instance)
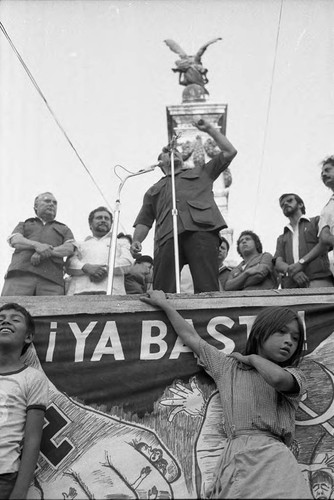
(91, 237)
(42, 221)
(302, 217)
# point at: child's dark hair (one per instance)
(269, 321)
(29, 320)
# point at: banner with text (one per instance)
(131, 414)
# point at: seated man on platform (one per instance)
(224, 271)
(198, 217)
(40, 244)
(137, 279)
(88, 267)
(299, 237)
(256, 271)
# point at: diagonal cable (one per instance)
(25, 67)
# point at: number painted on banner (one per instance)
(3, 407)
(57, 421)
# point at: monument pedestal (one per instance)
(198, 148)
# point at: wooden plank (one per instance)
(100, 304)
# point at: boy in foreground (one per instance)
(23, 401)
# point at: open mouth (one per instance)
(5, 329)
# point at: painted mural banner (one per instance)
(132, 415)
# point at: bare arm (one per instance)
(223, 143)
(187, 333)
(19, 242)
(326, 239)
(64, 250)
(273, 374)
(139, 235)
(32, 439)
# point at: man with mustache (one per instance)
(40, 244)
(89, 265)
(299, 237)
(256, 270)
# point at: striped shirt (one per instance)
(249, 403)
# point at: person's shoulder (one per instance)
(266, 254)
(30, 220)
(57, 222)
(157, 186)
(314, 220)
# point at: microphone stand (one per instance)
(174, 215)
(175, 233)
(113, 242)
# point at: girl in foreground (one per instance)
(259, 392)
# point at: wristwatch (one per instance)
(301, 261)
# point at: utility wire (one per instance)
(268, 109)
(25, 67)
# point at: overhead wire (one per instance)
(268, 109)
(37, 87)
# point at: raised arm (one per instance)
(223, 143)
(183, 329)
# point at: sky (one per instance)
(106, 73)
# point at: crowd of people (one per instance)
(47, 260)
(259, 389)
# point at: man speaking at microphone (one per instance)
(199, 219)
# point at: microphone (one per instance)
(172, 144)
(149, 169)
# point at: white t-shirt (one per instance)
(20, 391)
(327, 216)
(95, 251)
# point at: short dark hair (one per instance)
(328, 161)
(257, 241)
(144, 258)
(127, 236)
(224, 240)
(29, 320)
(297, 198)
(98, 209)
(271, 320)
